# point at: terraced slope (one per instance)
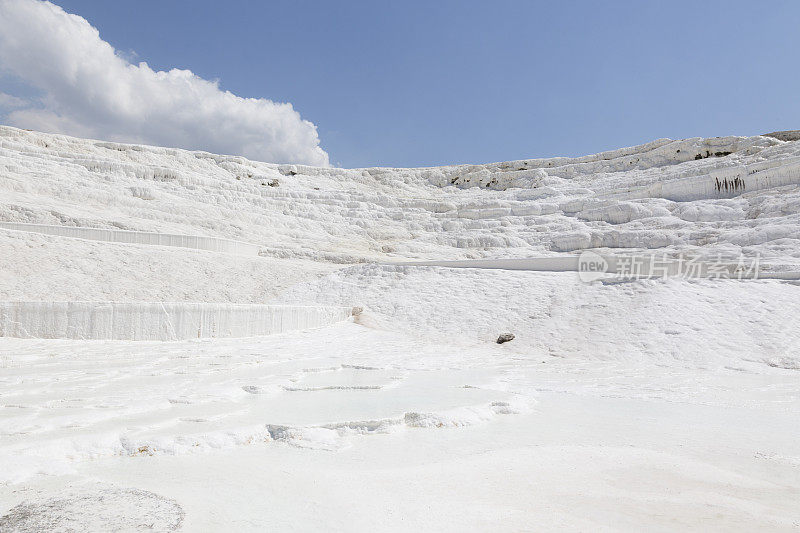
(708, 196)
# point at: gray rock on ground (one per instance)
(505, 337)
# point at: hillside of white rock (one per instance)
(621, 404)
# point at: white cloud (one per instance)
(8, 101)
(90, 90)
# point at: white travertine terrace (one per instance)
(158, 321)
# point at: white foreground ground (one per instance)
(656, 404)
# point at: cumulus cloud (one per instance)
(8, 101)
(90, 90)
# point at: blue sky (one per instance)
(429, 83)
